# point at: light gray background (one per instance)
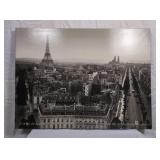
(9, 77)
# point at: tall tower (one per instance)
(47, 59)
(118, 60)
(114, 60)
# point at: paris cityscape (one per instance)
(51, 94)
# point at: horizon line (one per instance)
(72, 61)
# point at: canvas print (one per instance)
(83, 79)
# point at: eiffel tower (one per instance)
(47, 60)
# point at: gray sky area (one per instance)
(85, 45)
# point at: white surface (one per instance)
(66, 133)
(10, 71)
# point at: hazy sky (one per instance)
(85, 45)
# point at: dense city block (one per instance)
(114, 95)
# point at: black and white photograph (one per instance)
(83, 78)
(79, 80)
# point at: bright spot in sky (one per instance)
(128, 38)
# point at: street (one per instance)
(134, 109)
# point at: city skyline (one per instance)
(84, 45)
(114, 95)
